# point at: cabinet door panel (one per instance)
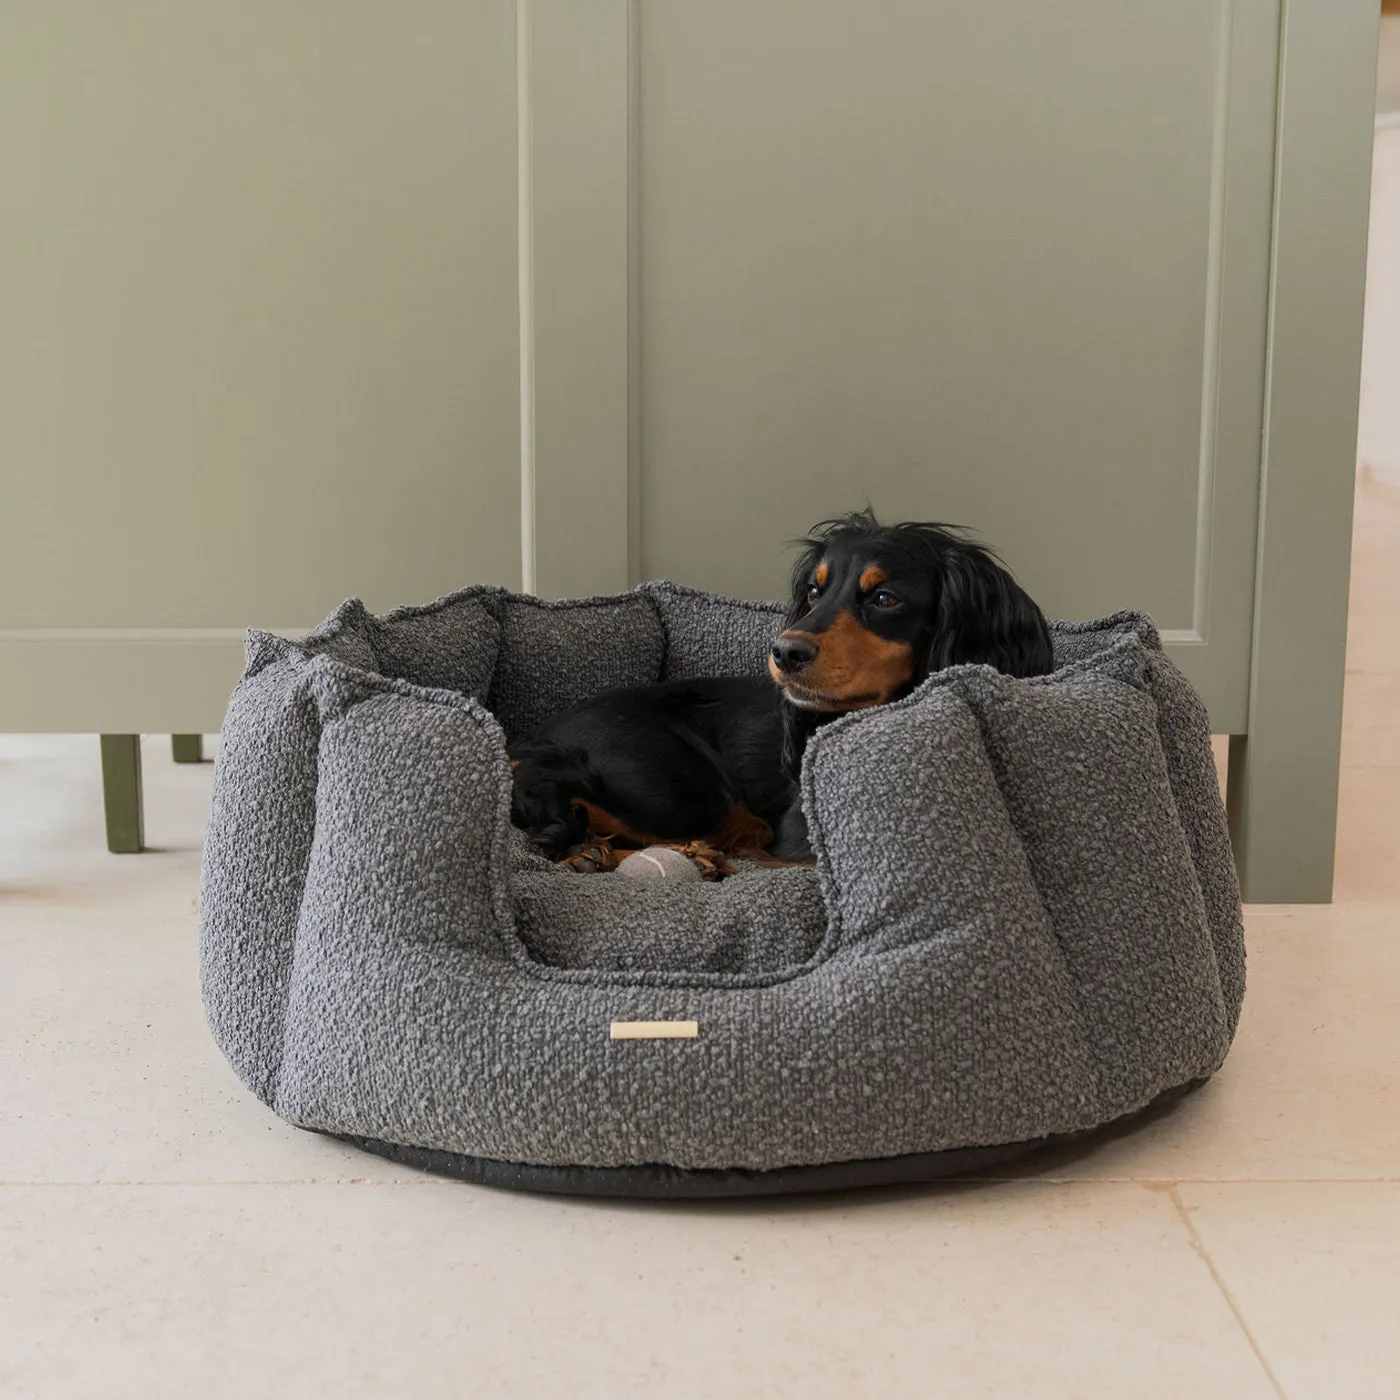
(259, 348)
(1001, 265)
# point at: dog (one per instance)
(715, 762)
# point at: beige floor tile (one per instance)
(1371, 718)
(1220, 751)
(435, 1289)
(1315, 1273)
(1373, 626)
(1372, 644)
(1368, 837)
(1311, 1088)
(108, 1069)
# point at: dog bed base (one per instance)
(657, 1181)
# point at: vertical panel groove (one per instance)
(1270, 327)
(634, 293)
(1210, 363)
(525, 187)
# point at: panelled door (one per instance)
(299, 301)
(1004, 265)
(258, 334)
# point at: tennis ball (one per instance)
(659, 863)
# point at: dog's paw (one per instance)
(592, 858)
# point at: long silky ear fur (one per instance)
(985, 617)
(798, 728)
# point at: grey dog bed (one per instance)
(1023, 922)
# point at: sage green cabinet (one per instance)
(335, 298)
(258, 334)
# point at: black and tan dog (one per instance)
(715, 762)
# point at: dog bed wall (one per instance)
(1033, 923)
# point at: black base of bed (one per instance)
(656, 1181)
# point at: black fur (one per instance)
(672, 760)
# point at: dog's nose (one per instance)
(793, 653)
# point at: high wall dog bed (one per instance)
(1023, 921)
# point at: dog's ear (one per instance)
(985, 617)
(798, 728)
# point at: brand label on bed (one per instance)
(655, 1030)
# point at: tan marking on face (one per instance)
(853, 669)
(823, 573)
(872, 577)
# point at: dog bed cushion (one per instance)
(1023, 921)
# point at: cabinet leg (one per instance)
(121, 792)
(1283, 819)
(187, 748)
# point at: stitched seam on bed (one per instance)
(1075, 990)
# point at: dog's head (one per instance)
(876, 608)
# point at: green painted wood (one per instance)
(1282, 787)
(332, 186)
(576, 98)
(1000, 264)
(121, 792)
(187, 748)
(1022, 265)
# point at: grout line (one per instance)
(1198, 1244)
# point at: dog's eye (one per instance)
(885, 599)
(813, 592)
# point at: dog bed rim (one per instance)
(321, 668)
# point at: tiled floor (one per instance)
(163, 1235)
